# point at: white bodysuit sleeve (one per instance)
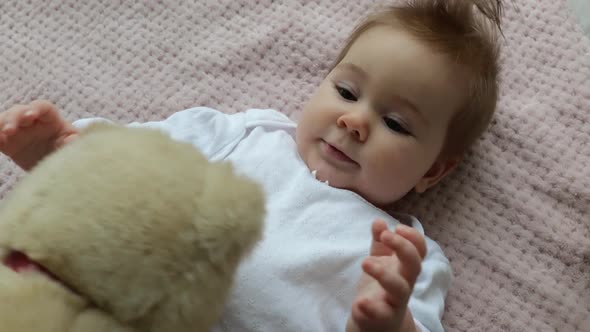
(427, 302)
(214, 133)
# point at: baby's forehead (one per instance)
(399, 71)
(393, 63)
(380, 45)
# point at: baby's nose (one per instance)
(356, 123)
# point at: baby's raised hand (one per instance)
(30, 132)
(390, 273)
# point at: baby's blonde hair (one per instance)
(467, 32)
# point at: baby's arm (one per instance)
(28, 133)
(390, 274)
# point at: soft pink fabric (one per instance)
(514, 220)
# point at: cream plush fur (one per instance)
(144, 229)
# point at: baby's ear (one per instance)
(441, 168)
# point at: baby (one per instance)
(412, 89)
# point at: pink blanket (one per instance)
(514, 220)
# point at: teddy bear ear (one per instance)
(230, 215)
(228, 221)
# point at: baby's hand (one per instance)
(28, 133)
(390, 273)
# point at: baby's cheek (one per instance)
(389, 182)
(380, 190)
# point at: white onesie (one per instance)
(304, 273)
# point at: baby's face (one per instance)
(377, 123)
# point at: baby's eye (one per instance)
(396, 126)
(346, 94)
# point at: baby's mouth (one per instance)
(336, 153)
(19, 262)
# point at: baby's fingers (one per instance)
(366, 309)
(378, 227)
(45, 110)
(10, 120)
(28, 118)
(412, 235)
(64, 140)
(393, 283)
(409, 257)
(377, 248)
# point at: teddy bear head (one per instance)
(138, 225)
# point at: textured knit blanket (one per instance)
(514, 219)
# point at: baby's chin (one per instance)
(321, 175)
(328, 174)
(346, 182)
(331, 179)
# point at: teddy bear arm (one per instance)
(94, 320)
(32, 303)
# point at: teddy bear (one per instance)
(124, 229)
